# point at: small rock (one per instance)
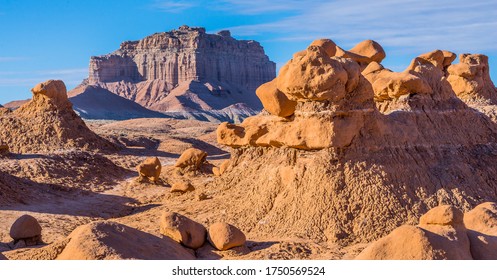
(182, 187)
(216, 171)
(224, 236)
(191, 158)
(182, 229)
(202, 196)
(150, 168)
(25, 227)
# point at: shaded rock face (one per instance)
(146, 71)
(48, 123)
(352, 164)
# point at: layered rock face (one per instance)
(146, 71)
(347, 150)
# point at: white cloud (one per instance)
(407, 26)
(173, 6)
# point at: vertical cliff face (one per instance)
(146, 71)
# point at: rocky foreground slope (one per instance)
(349, 150)
(185, 73)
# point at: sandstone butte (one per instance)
(345, 152)
(182, 73)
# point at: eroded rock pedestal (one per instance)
(347, 150)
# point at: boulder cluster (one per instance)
(221, 235)
(321, 97)
(444, 232)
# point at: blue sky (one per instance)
(42, 40)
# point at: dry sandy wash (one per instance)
(347, 160)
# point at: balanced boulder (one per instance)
(224, 236)
(275, 101)
(182, 229)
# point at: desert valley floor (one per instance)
(70, 188)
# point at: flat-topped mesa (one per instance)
(185, 54)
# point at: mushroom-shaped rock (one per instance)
(105, 240)
(367, 51)
(314, 76)
(182, 187)
(224, 236)
(328, 46)
(26, 228)
(191, 158)
(182, 229)
(275, 101)
(150, 168)
(481, 223)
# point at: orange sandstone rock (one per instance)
(26, 227)
(182, 229)
(481, 223)
(182, 187)
(150, 168)
(191, 158)
(274, 101)
(224, 236)
(314, 76)
(328, 46)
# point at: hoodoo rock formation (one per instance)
(47, 123)
(185, 71)
(363, 149)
